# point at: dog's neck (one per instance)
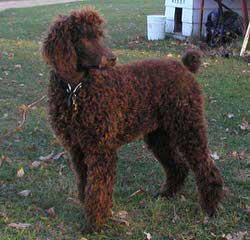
(72, 78)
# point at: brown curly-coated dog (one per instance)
(95, 107)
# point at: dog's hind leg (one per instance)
(170, 158)
(190, 129)
(80, 168)
(99, 189)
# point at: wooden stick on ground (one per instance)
(24, 109)
(245, 42)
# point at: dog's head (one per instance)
(74, 43)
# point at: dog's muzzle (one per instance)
(108, 61)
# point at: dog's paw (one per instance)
(211, 198)
(165, 194)
(87, 229)
(167, 191)
(210, 211)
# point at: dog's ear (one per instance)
(91, 16)
(58, 50)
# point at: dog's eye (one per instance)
(92, 35)
(100, 33)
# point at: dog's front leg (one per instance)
(78, 164)
(99, 189)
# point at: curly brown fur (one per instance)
(157, 98)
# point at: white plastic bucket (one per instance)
(156, 27)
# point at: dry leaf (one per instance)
(6, 159)
(206, 220)
(215, 156)
(233, 154)
(5, 115)
(123, 214)
(120, 221)
(58, 155)
(19, 225)
(237, 236)
(244, 155)
(48, 157)
(213, 235)
(24, 193)
(245, 125)
(247, 209)
(176, 217)
(143, 203)
(129, 233)
(53, 142)
(183, 199)
(148, 236)
(18, 66)
(36, 209)
(211, 100)
(230, 115)
(3, 214)
(35, 164)
(74, 200)
(20, 172)
(51, 212)
(206, 64)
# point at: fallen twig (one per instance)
(51, 156)
(24, 109)
(138, 192)
(120, 221)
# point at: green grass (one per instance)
(225, 82)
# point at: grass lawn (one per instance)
(24, 78)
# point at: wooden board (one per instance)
(245, 42)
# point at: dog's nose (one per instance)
(112, 58)
(108, 61)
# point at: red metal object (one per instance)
(245, 14)
(201, 17)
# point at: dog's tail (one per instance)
(192, 60)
